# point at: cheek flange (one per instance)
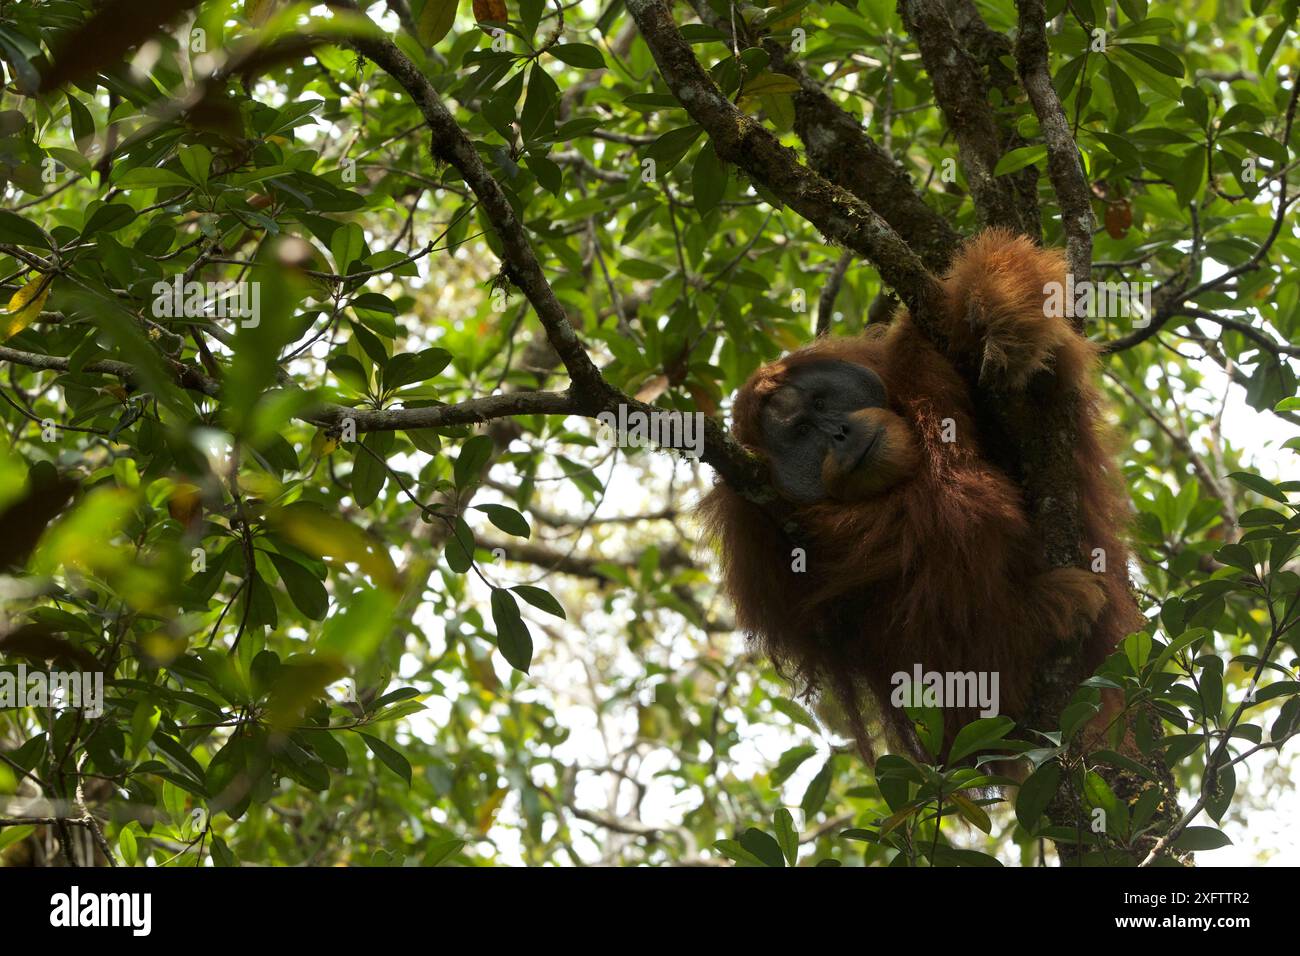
(891, 457)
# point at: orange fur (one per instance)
(940, 567)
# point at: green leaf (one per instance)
(790, 761)
(1237, 556)
(440, 852)
(818, 789)
(1157, 57)
(305, 589)
(796, 713)
(1137, 648)
(952, 856)
(1036, 793)
(474, 455)
(708, 180)
(1271, 43)
(459, 549)
(389, 757)
(221, 854)
(324, 744)
(581, 55)
(372, 323)
(537, 119)
(1128, 103)
(549, 174)
(642, 269)
(109, 217)
(435, 21)
(1182, 641)
(507, 519)
(355, 632)
(350, 373)
(530, 14)
(347, 245)
(979, 735)
(197, 162)
(1134, 9)
(1075, 716)
(19, 231)
(1020, 158)
(369, 471)
(762, 845)
(397, 711)
(1100, 795)
(1066, 76)
(144, 721)
(11, 835)
(779, 108)
(148, 177)
(733, 850)
(1197, 105)
(1260, 486)
(28, 79)
(126, 843)
(667, 151)
(1210, 690)
(786, 835)
(1189, 177)
(83, 124)
(513, 639)
(1202, 838)
(540, 599)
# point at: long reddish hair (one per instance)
(942, 569)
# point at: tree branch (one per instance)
(1063, 167)
(960, 91)
(826, 301)
(841, 150)
(743, 141)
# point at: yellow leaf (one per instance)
(889, 825)
(972, 812)
(487, 813)
(26, 305)
(185, 504)
(316, 531)
(324, 443)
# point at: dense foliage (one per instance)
(363, 589)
